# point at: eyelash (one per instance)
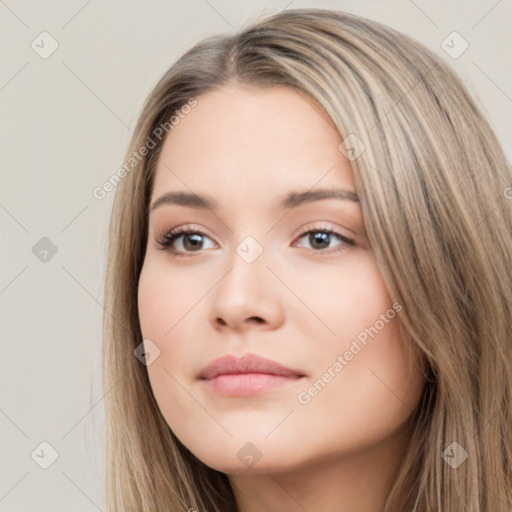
(167, 239)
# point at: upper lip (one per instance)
(248, 363)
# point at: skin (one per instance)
(299, 303)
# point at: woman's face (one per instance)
(292, 281)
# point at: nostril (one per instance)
(255, 319)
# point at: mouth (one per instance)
(248, 375)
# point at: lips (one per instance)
(248, 375)
(248, 363)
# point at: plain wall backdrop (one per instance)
(73, 78)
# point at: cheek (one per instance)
(362, 397)
(163, 316)
(164, 299)
(373, 389)
(344, 300)
(363, 368)
(168, 304)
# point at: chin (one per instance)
(245, 453)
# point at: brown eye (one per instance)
(320, 239)
(192, 240)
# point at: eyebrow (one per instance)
(291, 200)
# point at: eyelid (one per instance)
(322, 227)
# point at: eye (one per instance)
(320, 238)
(192, 241)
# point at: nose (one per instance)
(248, 294)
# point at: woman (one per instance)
(309, 282)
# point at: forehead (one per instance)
(250, 142)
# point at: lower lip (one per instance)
(247, 383)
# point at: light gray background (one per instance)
(65, 124)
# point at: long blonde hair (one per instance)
(432, 181)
